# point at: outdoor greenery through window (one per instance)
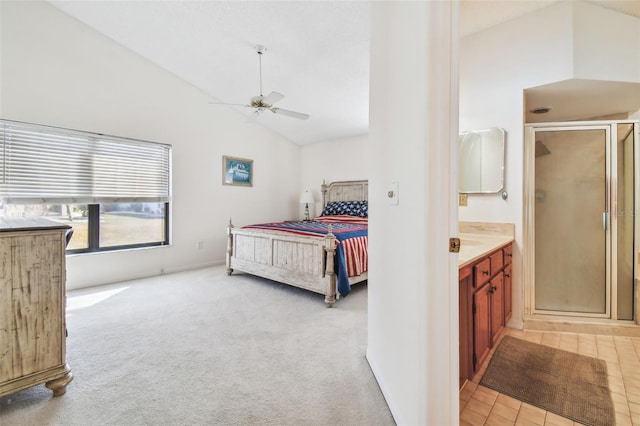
(114, 192)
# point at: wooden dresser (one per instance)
(32, 305)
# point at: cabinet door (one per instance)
(507, 293)
(32, 304)
(496, 291)
(466, 327)
(481, 325)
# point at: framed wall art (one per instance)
(237, 171)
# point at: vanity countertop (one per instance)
(478, 239)
(475, 246)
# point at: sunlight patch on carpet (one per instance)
(93, 298)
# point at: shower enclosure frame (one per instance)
(611, 309)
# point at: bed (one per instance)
(315, 255)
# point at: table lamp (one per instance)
(306, 198)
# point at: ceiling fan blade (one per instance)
(272, 98)
(288, 113)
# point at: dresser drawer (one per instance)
(482, 272)
(497, 262)
(507, 254)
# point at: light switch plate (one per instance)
(392, 194)
(462, 199)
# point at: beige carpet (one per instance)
(200, 347)
(565, 383)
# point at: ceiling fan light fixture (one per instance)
(257, 102)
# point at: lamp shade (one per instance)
(306, 197)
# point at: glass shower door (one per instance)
(571, 221)
(624, 209)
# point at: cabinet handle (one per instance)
(507, 275)
(509, 254)
(490, 290)
(494, 288)
(485, 272)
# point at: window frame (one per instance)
(93, 243)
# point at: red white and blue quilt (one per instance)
(352, 241)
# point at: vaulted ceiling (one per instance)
(317, 52)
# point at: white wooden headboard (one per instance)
(348, 190)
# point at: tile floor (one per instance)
(483, 406)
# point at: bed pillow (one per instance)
(335, 208)
(364, 209)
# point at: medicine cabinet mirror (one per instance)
(481, 161)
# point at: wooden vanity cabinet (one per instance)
(32, 306)
(485, 307)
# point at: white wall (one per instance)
(606, 44)
(57, 71)
(412, 288)
(337, 159)
(497, 64)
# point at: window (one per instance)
(113, 191)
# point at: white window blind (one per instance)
(42, 164)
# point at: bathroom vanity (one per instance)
(485, 291)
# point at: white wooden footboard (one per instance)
(301, 261)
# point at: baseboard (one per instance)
(190, 267)
(607, 328)
(148, 274)
(517, 324)
(383, 387)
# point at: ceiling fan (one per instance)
(262, 103)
